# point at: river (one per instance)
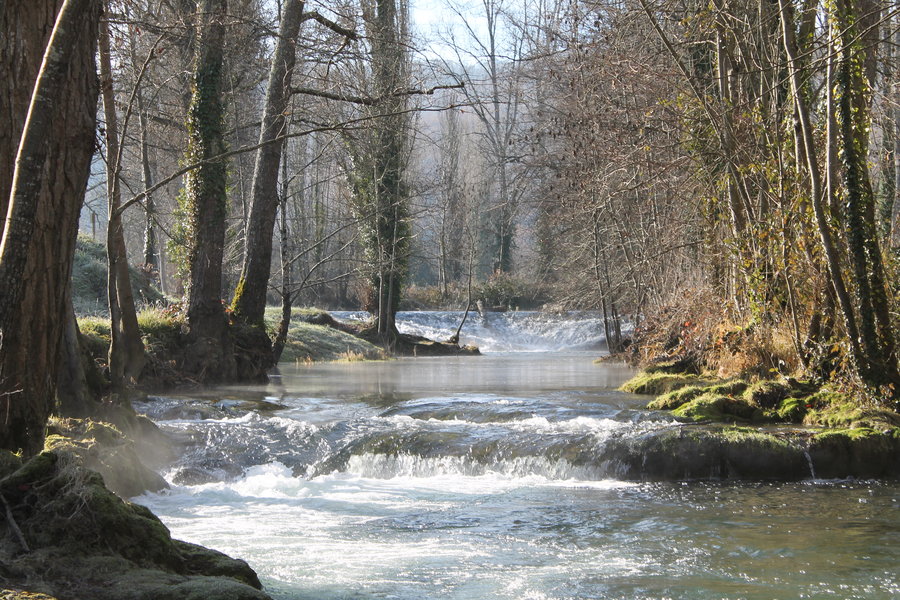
(485, 477)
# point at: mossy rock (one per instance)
(730, 388)
(694, 452)
(858, 452)
(187, 588)
(9, 462)
(86, 542)
(717, 408)
(791, 410)
(656, 384)
(103, 448)
(767, 394)
(23, 595)
(840, 411)
(682, 366)
(675, 398)
(681, 396)
(199, 560)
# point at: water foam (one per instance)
(514, 331)
(462, 474)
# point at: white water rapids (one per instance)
(486, 477)
(513, 331)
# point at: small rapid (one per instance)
(557, 436)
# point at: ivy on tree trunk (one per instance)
(210, 352)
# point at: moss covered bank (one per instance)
(770, 429)
(67, 536)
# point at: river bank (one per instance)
(751, 408)
(68, 537)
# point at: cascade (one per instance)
(513, 331)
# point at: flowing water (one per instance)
(485, 477)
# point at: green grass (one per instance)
(308, 342)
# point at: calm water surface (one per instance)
(483, 477)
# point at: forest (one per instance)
(717, 182)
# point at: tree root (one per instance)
(13, 525)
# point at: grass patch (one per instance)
(96, 335)
(837, 410)
(656, 384)
(318, 342)
(675, 398)
(159, 330)
(89, 280)
(310, 342)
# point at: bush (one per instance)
(159, 329)
(96, 336)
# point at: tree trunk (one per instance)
(44, 202)
(379, 163)
(876, 335)
(287, 269)
(250, 296)
(894, 123)
(151, 246)
(807, 143)
(126, 350)
(79, 385)
(210, 352)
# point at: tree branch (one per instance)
(315, 16)
(369, 101)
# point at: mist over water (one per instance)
(486, 477)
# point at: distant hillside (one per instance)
(89, 280)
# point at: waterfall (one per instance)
(514, 331)
(809, 461)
